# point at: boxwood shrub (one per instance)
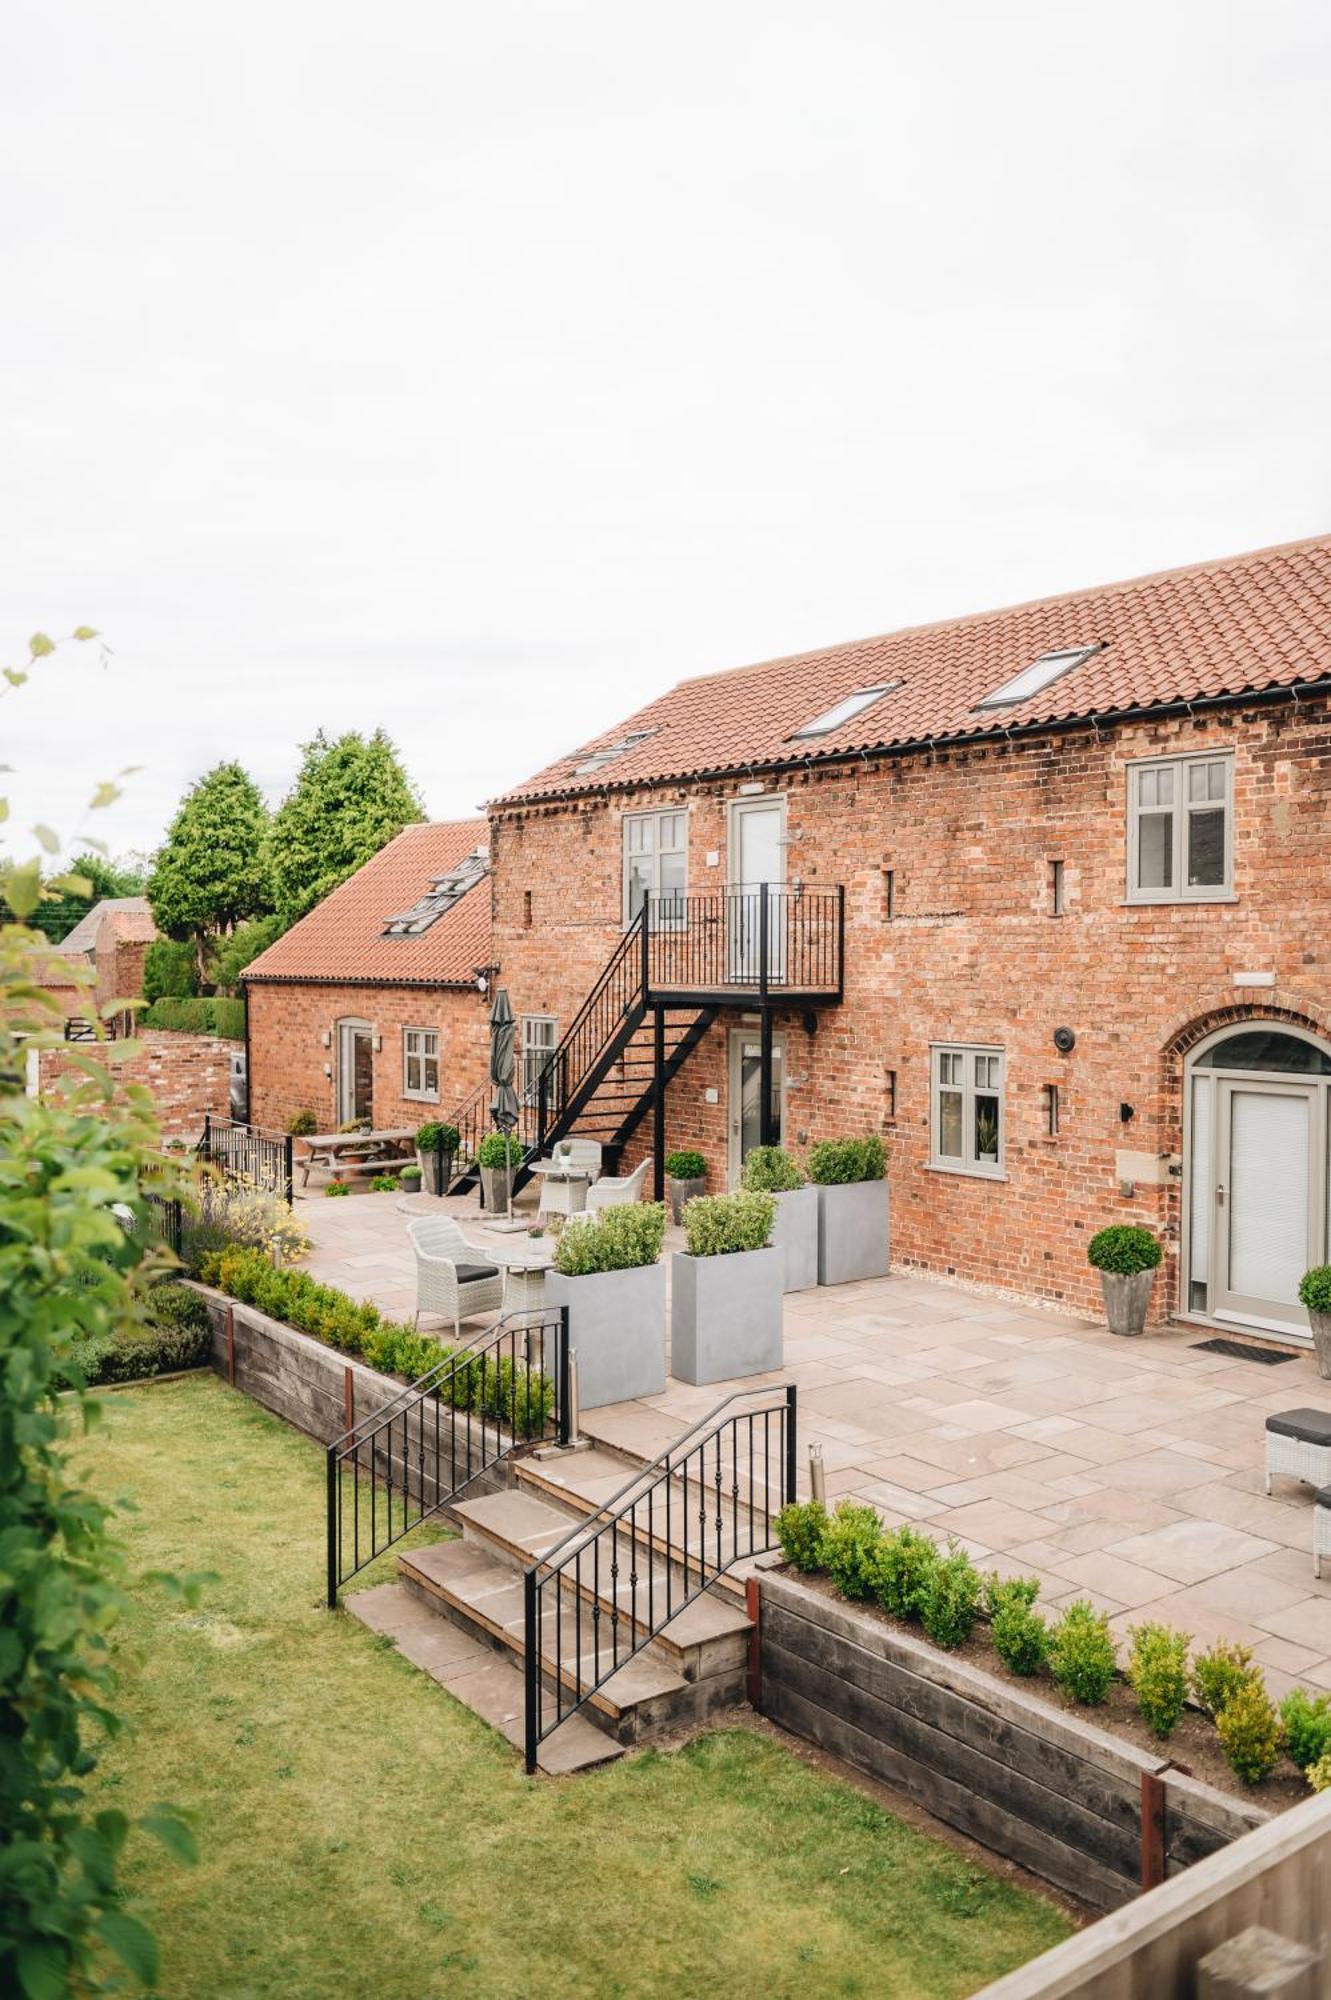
(1315, 1289)
(1124, 1249)
(686, 1166)
(496, 1150)
(770, 1170)
(437, 1133)
(721, 1225)
(833, 1162)
(616, 1239)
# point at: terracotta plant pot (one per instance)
(1127, 1296)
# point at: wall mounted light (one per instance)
(1126, 1114)
(326, 1040)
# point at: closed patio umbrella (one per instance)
(503, 1097)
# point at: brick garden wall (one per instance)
(186, 1075)
(973, 953)
(291, 1068)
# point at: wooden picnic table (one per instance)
(328, 1149)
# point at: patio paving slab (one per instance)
(1126, 1471)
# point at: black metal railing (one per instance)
(166, 1220)
(610, 1009)
(409, 1458)
(753, 941)
(703, 1506)
(248, 1153)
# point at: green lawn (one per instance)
(363, 1834)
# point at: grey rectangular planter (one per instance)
(852, 1232)
(616, 1326)
(725, 1314)
(795, 1234)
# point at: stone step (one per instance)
(708, 1635)
(585, 1481)
(485, 1595)
(481, 1679)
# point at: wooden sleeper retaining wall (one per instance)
(1047, 1790)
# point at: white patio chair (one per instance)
(581, 1154)
(613, 1191)
(453, 1278)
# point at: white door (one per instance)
(746, 1100)
(757, 871)
(1264, 1222)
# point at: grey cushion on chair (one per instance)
(472, 1274)
(1308, 1426)
(1322, 1497)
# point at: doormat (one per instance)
(1238, 1350)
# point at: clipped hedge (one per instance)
(177, 1335)
(522, 1402)
(834, 1162)
(770, 1170)
(215, 1016)
(722, 1225)
(616, 1239)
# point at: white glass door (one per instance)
(746, 1099)
(757, 872)
(1265, 1220)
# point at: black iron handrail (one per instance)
(249, 1153)
(618, 993)
(437, 1434)
(575, 1570)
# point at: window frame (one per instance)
(967, 1163)
(422, 1094)
(673, 919)
(1181, 809)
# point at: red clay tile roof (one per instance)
(1188, 635)
(342, 938)
(128, 919)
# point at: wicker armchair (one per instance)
(452, 1277)
(612, 1192)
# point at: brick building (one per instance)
(373, 1006)
(112, 940)
(1041, 895)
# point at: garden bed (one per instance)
(1032, 1779)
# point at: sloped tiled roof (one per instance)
(343, 939)
(128, 918)
(1246, 623)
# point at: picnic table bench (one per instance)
(373, 1150)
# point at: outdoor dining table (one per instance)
(563, 1187)
(329, 1149)
(524, 1261)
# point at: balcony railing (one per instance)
(758, 942)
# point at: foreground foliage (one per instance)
(359, 1818)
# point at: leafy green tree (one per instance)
(350, 798)
(232, 954)
(170, 971)
(72, 1274)
(56, 915)
(211, 871)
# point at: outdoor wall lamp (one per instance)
(1126, 1114)
(483, 974)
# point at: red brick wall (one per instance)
(974, 955)
(292, 1069)
(120, 971)
(186, 1075)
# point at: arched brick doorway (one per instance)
(1254, 1097)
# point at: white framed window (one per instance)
(656, 862)
(538, 1041)
(966, 1099)
(1181, 829)
(420, 1063)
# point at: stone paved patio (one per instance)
(1129, 1472)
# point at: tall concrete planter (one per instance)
(616, 1327)
(495, 1182)
(679, 1193)
(853, 1236)
(1127, 1296)
(432, 1180)
(795, 1235)
(1321, 1331)
(725, 1314)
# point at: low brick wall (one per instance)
(185, 1075)
(1035, 1784)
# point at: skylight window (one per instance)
(610, 751)
(1049, 667)
(443, 892)
(844, 711)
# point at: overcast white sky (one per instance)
(480, 370)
